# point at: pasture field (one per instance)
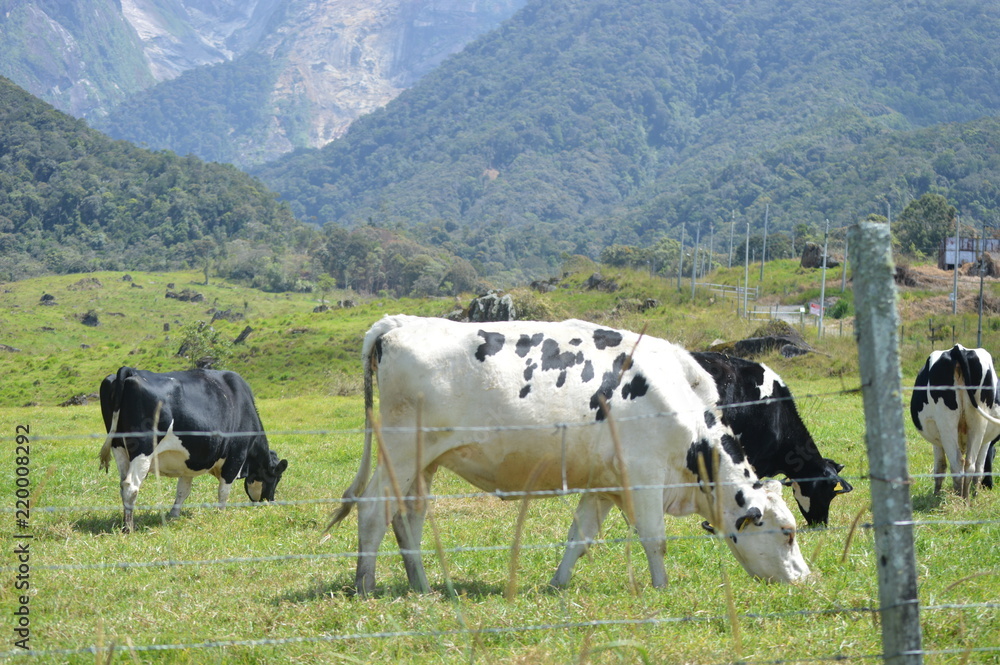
(255, 584)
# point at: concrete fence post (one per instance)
(877, 325)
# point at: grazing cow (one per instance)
(758, 407)
(518, 406)
(954, 406)
(205, 421)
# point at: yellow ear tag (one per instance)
(838, 488)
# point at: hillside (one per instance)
(60, 335)
(576, 125)
(294, 76)
(79, 60)
(73, 200)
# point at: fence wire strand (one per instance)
(465, 630)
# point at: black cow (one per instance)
(217, 430)
(758, 407)
(961, 423)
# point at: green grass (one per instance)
(267, 576)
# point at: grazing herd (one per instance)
(624, 420)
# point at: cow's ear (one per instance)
(708, 527)
(282, 465)
(842, 487)
(753, 515)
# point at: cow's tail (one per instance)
(111, 391)
(105, 454)
(370, 353)
(959, 359)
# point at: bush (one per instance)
(204, 346)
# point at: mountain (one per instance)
(74, 200)
(580, 124)
(231, 81)
(312, 69)
(79, 57)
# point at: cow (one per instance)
(759, 408)
(517, 406)
(206, 421)
(954, 405)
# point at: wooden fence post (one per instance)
(892, 511)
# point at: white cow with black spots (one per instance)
(955, 406)
(502, 403)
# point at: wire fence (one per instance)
(886, 612)
(845, 532)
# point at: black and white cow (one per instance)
(512, 404)
(759, 408)
(955, 406)
(205, 421)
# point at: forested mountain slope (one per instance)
(81, 56)
(71, 199)
(577, 124)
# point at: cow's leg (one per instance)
(988, 465)
(183, 489)
(224, 489)
(587, 520)
(975, 454)
(373, 521)
(135, 472)
(409, 528)
(940, 467)
(648, 505)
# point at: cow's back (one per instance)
(505, 397)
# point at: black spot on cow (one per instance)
(530, 369)
(525, 343)
(637, 387)
(576, 341)
(608, 385)
(733, 448)
(758, 485)
(605, 339)
(491, 345)
(524, 391)
(588, 371)
(740, 499)
(553, 358)
(710, 419)
(700, 450)
(561, 380)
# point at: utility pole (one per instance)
(746, 271)
(822, 288)
(711, 248)
(982, 270)
(954, 292)
(763, 251)
(694, 259)
(680, 259)
(732, 228)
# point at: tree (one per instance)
(924, 223)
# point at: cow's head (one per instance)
(263, 479)
(815, 494)
(761, 533)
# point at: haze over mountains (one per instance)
(228, 80)
(579, 124)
